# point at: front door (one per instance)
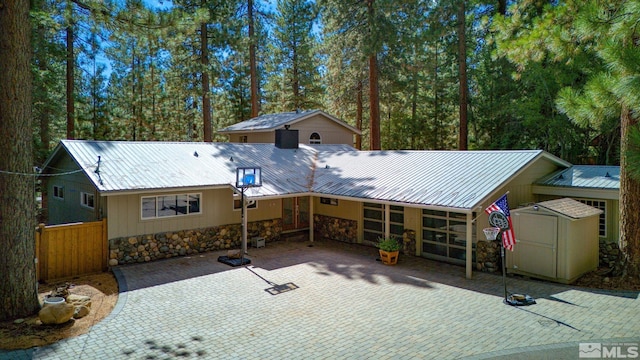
(295, 213)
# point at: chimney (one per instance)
(286, 138)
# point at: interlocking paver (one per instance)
(347, 305)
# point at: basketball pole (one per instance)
(504, 266)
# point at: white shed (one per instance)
(556, 240)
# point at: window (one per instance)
(170, 205)
(602, 221)
(87, 200)
(315, 138)
(328, 201)
(243, 139)
(444, 235)
(237, 203)
(374, 222)
(58, 192)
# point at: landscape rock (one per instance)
(56, 314)
(80, 312)
(79, 300)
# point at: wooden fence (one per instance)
(71, 249)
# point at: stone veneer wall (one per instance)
(333, 228)
(488, 256)
(409, 242)
(150, 247)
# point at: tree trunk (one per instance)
(374, 100)
(462, 71)
(18, 283)
(629, 202)
(252, 63)
(359, 114)
(374, 107)
(502, 7)
(206, 98)
(45, 114)
(70, 84)
(296, 81)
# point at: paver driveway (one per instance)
(346, 305)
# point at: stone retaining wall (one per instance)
(329, 227)
(150, 247)
(611, 257)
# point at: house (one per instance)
(165, 199)
(314, 127)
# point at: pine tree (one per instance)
(293, 77)
(18, 283)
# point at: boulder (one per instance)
(56, 314)
(80, 312)
(79, 300)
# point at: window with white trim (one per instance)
(602, 221)
(87, 200)
(58, 192)
(170, 205)
(315, 138)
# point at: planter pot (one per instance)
(389, 257)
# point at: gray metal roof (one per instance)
(139, 166)
(459, 179)
(271, 122)
(585, 176)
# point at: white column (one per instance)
(387, 220)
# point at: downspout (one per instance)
(469, 247)
(311, 221)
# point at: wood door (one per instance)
(536, 249)
(295, 213)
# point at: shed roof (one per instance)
(456, 179)
(270, 122)
(567, 207)
(584, 176)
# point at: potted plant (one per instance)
(389, 249)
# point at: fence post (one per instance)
(39, 258)
(105, 246)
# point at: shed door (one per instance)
(537, 241)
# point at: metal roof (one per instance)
(458, 179)
(584, 176)
(271, 122)
(139, 166)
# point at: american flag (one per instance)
(508, 236)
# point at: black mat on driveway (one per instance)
(233, 261)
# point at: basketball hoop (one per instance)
(491, 232)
